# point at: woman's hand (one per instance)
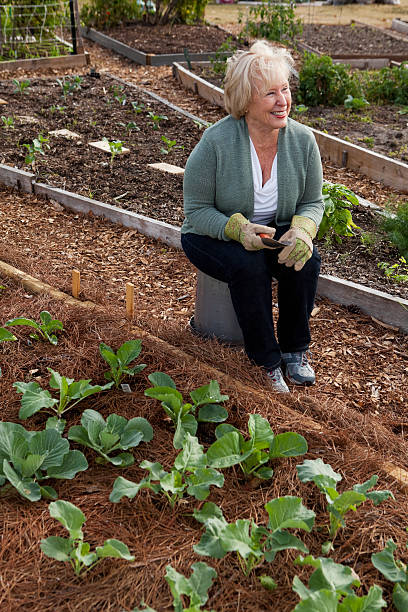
(240, 229)
(300, 235)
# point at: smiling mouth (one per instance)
(279, 113)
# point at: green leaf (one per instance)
(25, 486)
(260, 431)
(186, 424)
(384, 561)
(51, 444)
(400, 598)
(199, 483)
(108, 440)
(34, 398)
(210, 544)
(223, 429)
(377, 497)
(192, 456)
(115, 549)
(226, 451)
(264, 472)
(28, 467)
(136, 430)
(48, 492)
(196, 587)
(288, 444)
(78, 434)
(289, 512)
(372, 602)
(56, 423)
(268, 582)
(160, 379)
(208, 511)
(6, 335)
(73, 462)
(321, 601)
(330, 575)
(57, 548)
(10, 434)
(129, 351)
(208, 394)
(93, 423)
(22, 321)
(282, 540)
(70, 517)
(311, 468)
(173, 483)
(236, 537)
(164, 394)
(108, 355)
(126, 488)
(122, 460)
(82, 555)
(212, 413)
(348, 500)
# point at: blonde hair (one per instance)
(254, 69)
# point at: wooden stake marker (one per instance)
(76, 283)
(130, 300)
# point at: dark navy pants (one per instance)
(249, 276)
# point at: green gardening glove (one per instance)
(240, 229)
(301, 234)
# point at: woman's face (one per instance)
(271, 108)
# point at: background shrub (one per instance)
(397, 229)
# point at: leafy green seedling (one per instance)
(230, 448)
(190, 474)
(106, 437)
(74, 550)
(138, 108)
(337, 219)
(131, 126)
(120, 360)
(395, 571)
(30, 457)
(338, 504)
(69, 85)
(21, 86)
(170, 144)
(44, 329)
(5, 335)
(301, 108)
(115, 147)
(35, 147)
(8, 122)
(330, 583)
(71, 392)
(251, 542)
(397, 272)
(156, 119)
(59, 109)
(206, 399)
(355, 103)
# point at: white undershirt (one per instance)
(266, 196)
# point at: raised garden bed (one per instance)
(156, 534)
(130, 183)
(161, 45)
(400, 25)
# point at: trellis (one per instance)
(42, 29)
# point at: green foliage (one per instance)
(396, 227)
(206, 399)
(5, 335)
(331, 582)
(386, 86)
(219, 62)
(106, 437)
(35, 147)
(119, 362)
(170, 145)
(355, 103)
(69, 84)
(21, 86)
(394, 570)
(70, 392)
(156, 119)
(8, 122)
(195, 588)
(252, 543)
(115, 147)
(337, 219)
(272, 21)
(230, 448)
(27, 458)
(321, 82)
(74, 550)
(190, 474)
(397, 272)
(43, 330)
(338, 504)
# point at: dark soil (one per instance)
(354, 39)
(102, 108)
(162, 39)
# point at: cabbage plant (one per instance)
(231, 448)
(394, 570)
(206, 400)
(190, 474)
(74, 550)
(43, 330)
(119, 362)
(106, 437)
(28, 458)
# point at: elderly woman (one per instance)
(254, 172)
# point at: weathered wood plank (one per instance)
(206, 90)
(400, 26)
(37, 63)
(169, 59)
(382, 306)
(13, 177)
(149, 227)
(115, 45)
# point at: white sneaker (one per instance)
(298, 369)
(276, 380)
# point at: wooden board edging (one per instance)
(36, 63)
(146, 226)
(400, 26)
(14, 177)
(391, 172)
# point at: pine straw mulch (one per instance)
(156, 534)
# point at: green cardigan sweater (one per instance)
(218, 177)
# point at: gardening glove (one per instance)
(240, 229)
(301, 233)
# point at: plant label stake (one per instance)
(76, 283)
(130, 300)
